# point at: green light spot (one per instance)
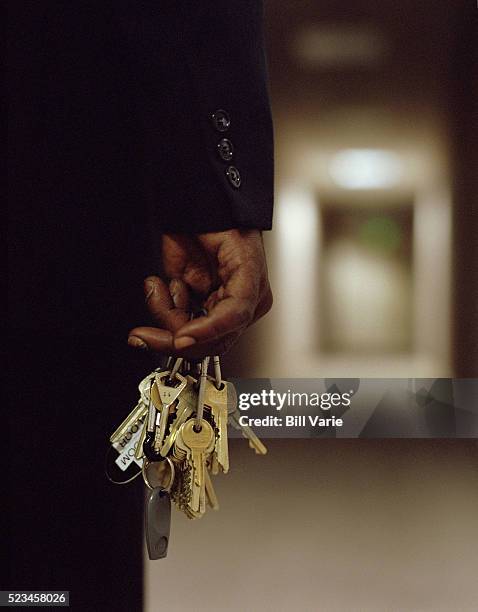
(381, 233)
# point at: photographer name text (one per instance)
(297, 420)
(279, 401)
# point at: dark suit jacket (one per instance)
(115, 137)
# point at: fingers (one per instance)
(184, 258)
(152, 338)
(168, 309)
(227, 316)
(222, 343)
(210, 335)
(204, 349)
(180, 294)
(161, 341)
(241, 297)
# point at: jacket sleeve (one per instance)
(207, 140)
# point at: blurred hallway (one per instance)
(372, 245)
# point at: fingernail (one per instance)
(150, 286)
(184, 342)
(151, 282)
(173, 286)
(137, 342)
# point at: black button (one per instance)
(221, 120)
(225, 148)
(234, 177)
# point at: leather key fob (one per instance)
(157, 522)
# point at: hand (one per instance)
(223, 272)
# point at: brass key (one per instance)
(211, 497)
(216, 400)
(248, 433)
(199, 445)
(187, 402)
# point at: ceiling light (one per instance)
(366, 169)
(340, 46)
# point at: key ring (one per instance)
(166, 461)
(186, 365)
(202, 389)
(175, 370)
(107, 472)
(217, 371)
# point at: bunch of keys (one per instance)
(176, 437)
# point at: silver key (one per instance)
(136, 416)
(165, 395)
